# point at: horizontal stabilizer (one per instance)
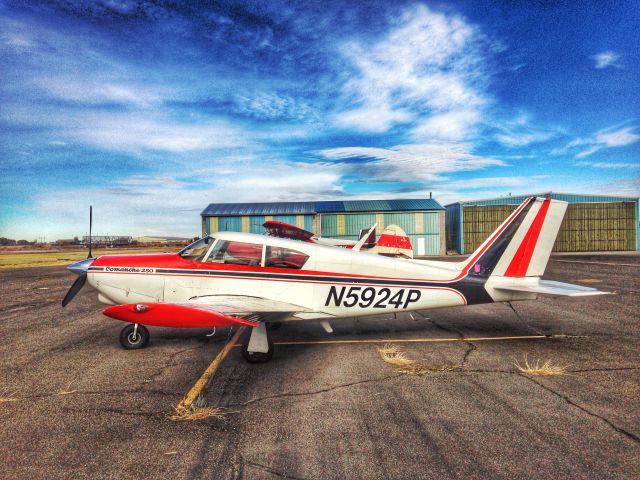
(549, 287)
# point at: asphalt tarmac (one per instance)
(77, 405)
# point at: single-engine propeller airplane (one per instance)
(393, 242)
(233, 279)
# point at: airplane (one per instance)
(234, 279)
(393, 242)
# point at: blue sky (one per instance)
(152, 110)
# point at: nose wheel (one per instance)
(134, 336)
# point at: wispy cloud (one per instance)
(413, 162)
(428, 70)
(610, 166)
(608, 138)
(488, 182)
(606, 59)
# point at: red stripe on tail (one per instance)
(520, 261)
(394, 241)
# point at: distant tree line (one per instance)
(8, 242)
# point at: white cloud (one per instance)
(372, 118)
(606, 59)
(618, 138)
(609, 166)
(99, 92)
(522, 139)
(488, 182)
(452, 125)
(428, 70)
(171, 204)
(412, 162)
(135, 133)
(612, 137)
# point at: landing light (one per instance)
(141, 307)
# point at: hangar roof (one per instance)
(336, 206)
(567, 197)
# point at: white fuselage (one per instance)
(334, 282)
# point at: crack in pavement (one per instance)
(266, 468)
(519, 317)
(169, 363)
(470, 345)
(630, 435)
(316, 392)
(614, 369)
(118, 411)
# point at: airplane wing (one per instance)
(173, 315)
(208, 311)
(286, 230)
(550, 287)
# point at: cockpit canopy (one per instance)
(211, 250)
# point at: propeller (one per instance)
(75, 288)
(80, 268)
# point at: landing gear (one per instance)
(134, 336)
(257, 346)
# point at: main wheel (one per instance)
(256, 357)
(133, 338)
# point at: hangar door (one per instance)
(597, 226)
(586, 227)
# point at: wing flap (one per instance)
(244, 304)
(173, 315)
(550, 287)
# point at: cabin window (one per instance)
(236, 253)
(281, 257)
(197, 250)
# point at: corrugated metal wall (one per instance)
(255, 223)
(479, 221)
(586, 226)
(229, 224)
(597, 227)
(423, 228)
(452, 220)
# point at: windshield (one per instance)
(197, 250)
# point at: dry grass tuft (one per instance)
(196, 411)
(546, 369)
(393, 355)
(7, 396)
(66, 390)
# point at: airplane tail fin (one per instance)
(393, 242)
(521, 246)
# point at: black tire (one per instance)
(128, 341)
(256, 357)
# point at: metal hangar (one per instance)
(421, 219)
(592, 222)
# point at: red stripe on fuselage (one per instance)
(520, 261)
(320, 282)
